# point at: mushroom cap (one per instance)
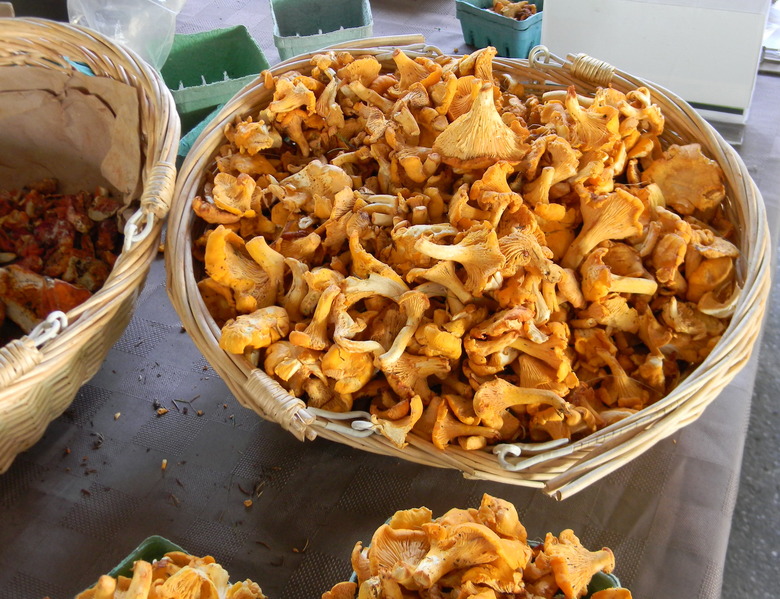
(688, 179)
(573, 565)
(496, 395)
(412, 518)
(256, 330)
(218, 299)
(478, 251)
(350, 370)
(501, 516)
(479, 137)
(234, 194)
(462, 545)
(228, 262)
(612, 216)
(397, 552)
(396, 430)
(252, 136)
(614, 593)
(188, 583)
(342, 590)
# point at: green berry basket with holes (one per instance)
(204, 70)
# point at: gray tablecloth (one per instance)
(93, 488)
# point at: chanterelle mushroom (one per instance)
(479, 138)
(614, 216)
(495, 396)
(573, 565)
(228, 262)
(397, 552)
(256, 330)
(478, 252)
(688, 180)
(465, 544)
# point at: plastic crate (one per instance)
(206, 69)
(482, 27)
(305, 25)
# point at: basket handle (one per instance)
(581, 66)
(372, 42)
(20, 356)
(265, 394)
(154, 204)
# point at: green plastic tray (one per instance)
(150, 549)
(306, 25)
(510, 37)
(206, 69)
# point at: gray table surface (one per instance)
(92, 489)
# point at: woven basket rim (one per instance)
(559, 472)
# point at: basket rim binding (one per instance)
(558, 471)
(56, 360)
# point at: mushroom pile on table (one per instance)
(481, 552)
(466, 261)
(175, 575)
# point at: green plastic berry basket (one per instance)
(305, 25)
(482, 27)
(151, 549)
(206, 69)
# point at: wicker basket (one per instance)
(41, 372)
(559, 470)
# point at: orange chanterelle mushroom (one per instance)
(421, 239)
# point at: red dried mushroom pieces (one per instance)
(56, 250)
(479, 552)
(468, 262)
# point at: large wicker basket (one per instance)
(41, 373)
(560, 470)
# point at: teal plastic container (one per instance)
(206, 69)
(306, 25)
(482, 27)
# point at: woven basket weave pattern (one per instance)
(562, 471)
(34, 393)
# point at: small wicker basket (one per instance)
(41, 373)
(559, 470)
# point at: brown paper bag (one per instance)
(80, 129)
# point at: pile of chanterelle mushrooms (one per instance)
(468, 262)
(480, 553)
(176, 575)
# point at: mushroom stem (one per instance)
(637, 285)
(495, 396)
